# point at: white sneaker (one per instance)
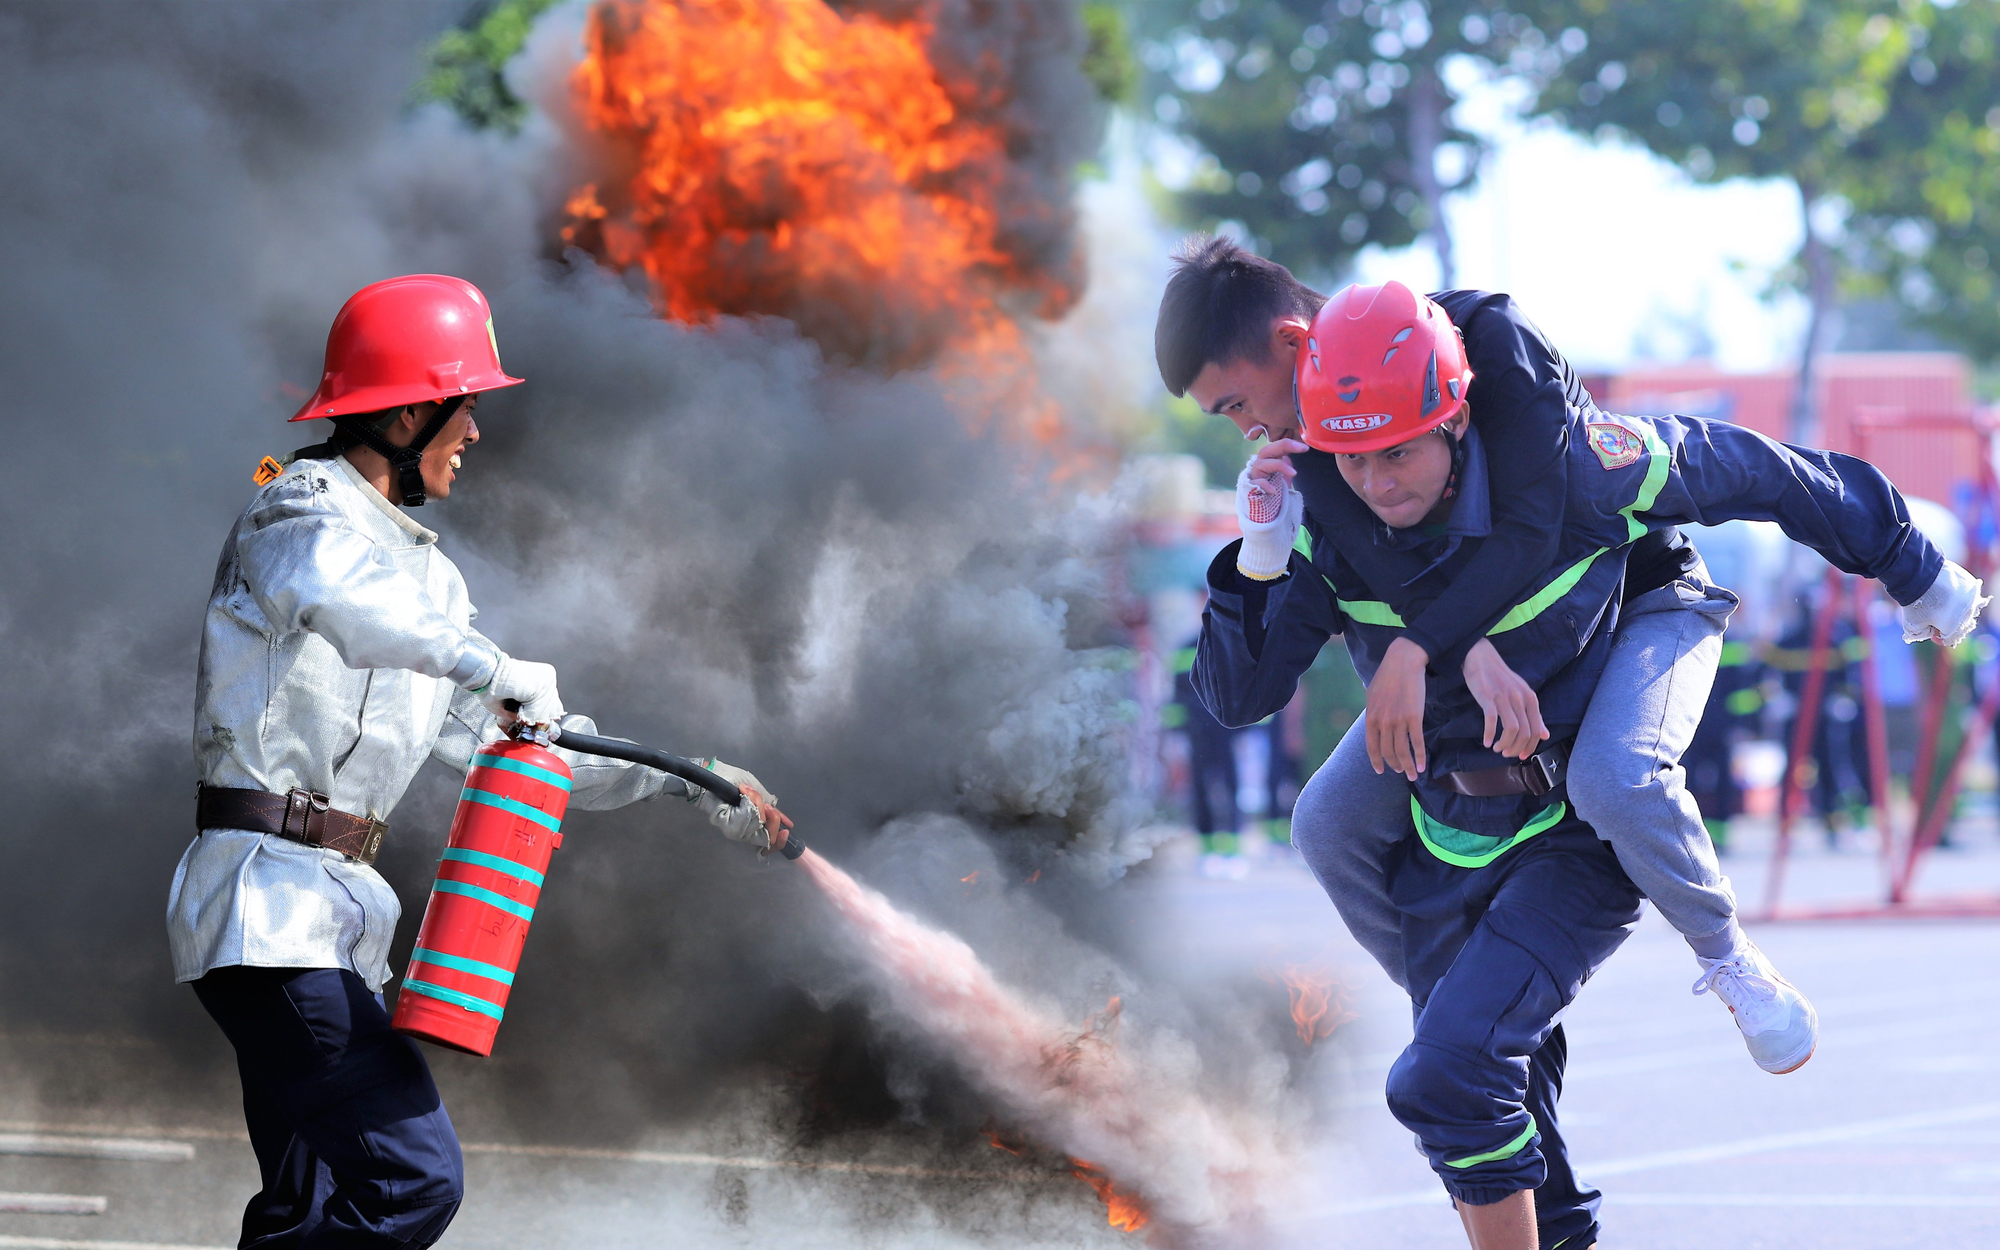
(1779, 1026)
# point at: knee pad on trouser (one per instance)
(1465, 1111)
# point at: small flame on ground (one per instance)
(970, 877)
(1122, 1211)
(1033, 877)
(1319, 1002)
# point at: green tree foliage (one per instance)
(1107, 53)
(1328, 121)
(1926, 229)
(1834, 95)
(465, 64)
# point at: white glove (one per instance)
(1947, 611)
(1268, 510)
(531, 685)
(739, 821)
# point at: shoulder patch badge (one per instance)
(1614, 445)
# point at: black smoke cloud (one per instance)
(723, 542)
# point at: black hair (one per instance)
(1219, 306)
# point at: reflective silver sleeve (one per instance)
(309, 569)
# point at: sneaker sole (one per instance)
(1795, 1067)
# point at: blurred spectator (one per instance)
(1211, 762)
(1734, 705)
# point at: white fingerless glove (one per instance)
(1268, 511)
(740, 821)
(529, 684)
(1947, 611)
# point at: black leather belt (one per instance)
(1538, 774)
(302, 816)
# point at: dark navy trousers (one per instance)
(1494, 955)
(353, 1142)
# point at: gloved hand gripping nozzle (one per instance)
(687, 770)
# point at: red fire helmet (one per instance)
(406, 340)
(1380, 365)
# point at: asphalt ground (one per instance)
(1889, 1138)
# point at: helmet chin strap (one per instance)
(406, 461)
(1457, 446)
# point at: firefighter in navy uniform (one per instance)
(1507, 902)
(338, 654)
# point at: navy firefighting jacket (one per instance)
(1627, 476)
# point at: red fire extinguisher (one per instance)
(508, 825)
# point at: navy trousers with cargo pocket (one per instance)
(1494, 955)
(351, 1137)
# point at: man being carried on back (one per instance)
(1505, 899)
(1230, 327)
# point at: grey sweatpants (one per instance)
(1625, 779)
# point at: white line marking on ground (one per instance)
(129, 1148)
(1931, 1201)
(64, 1243)
(1708, 1154)
(51, 1204)
(1842, 1039)
(1791, 1141)
(124, 1130)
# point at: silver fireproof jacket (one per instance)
(337, 656)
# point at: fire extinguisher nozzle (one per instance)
(792, 849)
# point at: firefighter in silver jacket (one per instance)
(337, 655)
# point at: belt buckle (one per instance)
(1538, 774)
(372, 846)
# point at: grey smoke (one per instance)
(725, 543)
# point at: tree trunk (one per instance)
(1818, 264)
(1428, 103)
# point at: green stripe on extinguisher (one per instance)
(498, 863)
(459, 963)
(488, 897)
(542, 775)
(453, 997)
(472, 795)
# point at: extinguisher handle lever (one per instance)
(611, 748)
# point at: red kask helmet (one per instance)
(406, 340)
(1380, 365)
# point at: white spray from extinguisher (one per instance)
(1170, 1154)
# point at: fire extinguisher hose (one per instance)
(687, 770)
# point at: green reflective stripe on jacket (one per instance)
(1302, 543)
(1541, 600)
(1507, 1151)
(1463, 849)
(1659, 460)
(1369, 612)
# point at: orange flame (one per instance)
(970, 877)
(1124, 1211)
(1319, 1002)
(777, 157)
